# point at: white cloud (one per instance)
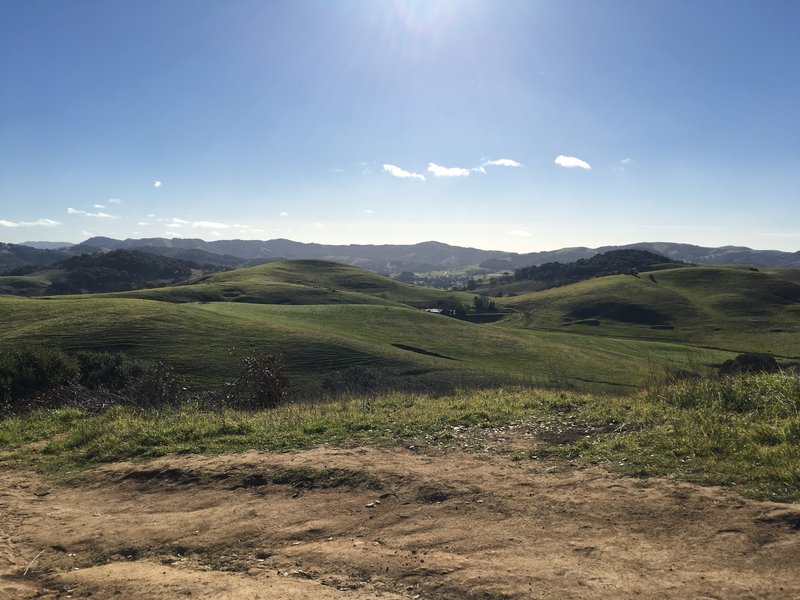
(571, 162)
(626, 161)
(142, 223)
(369, 211)
(439, 171)
(174, 225)
(97, 215)
(519, 232)
(209, 225)
(37, 223)
(150, 216)
(118, 201)
(396, 171)
(99, 205)
(179, 222)
(502, 162)
(284, 214)
(156, 184)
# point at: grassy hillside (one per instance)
(618, 331)
(728, 307)
(299, 282)
(408, 346)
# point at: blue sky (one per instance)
(498, 124)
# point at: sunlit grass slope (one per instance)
(299, 282)
(207, 341)
(727, 307)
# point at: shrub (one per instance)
(29, 372)
(42, 377)
(750, 362)
(107, 370)
(156, 386)
(261, 383)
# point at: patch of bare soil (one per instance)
(389, 523)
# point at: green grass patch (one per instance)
(742, 432)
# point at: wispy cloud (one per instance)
(626, 161)
(99, 205)
(119, 201)
(156, 184)
(396, 171)
(502, 162)
(369, 211)
(96, 215)
(440, 171)
(177, 221)
(209, 225)
(571, 162)
(284, 214)
(37, 223)
(519, 233)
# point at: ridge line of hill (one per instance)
(424, 257)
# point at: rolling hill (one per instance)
(324, 317)
(726, 307)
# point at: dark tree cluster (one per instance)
(554, 274)
(118, 270)
(39, 377)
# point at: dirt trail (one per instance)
(396, 524)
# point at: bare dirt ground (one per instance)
(423, 525)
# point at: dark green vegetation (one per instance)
(554, 274)
(37, 377)
(608, 263)
(741, 431)
(113, 271)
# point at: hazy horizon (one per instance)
(521, 126)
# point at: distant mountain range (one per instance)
(385, 259)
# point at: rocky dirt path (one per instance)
(389, 523)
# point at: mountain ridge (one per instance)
(386, 259)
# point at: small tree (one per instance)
(483, 304)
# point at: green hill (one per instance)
(405, 346)
(736, 308)
(300, 282)
(321, 318)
